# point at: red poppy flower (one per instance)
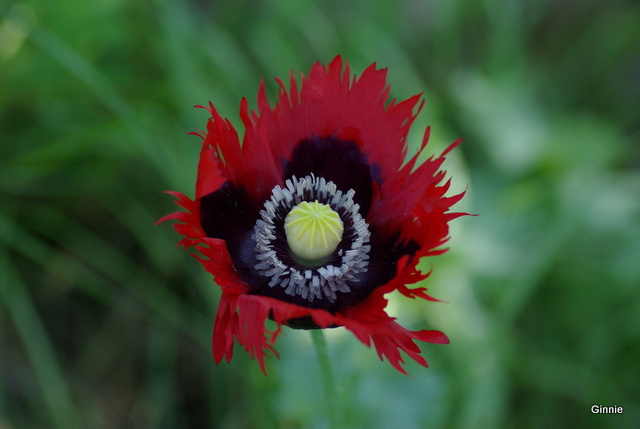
(314, 218)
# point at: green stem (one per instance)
(326, 374)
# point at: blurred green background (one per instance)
(104, 323)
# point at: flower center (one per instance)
(311, 241)
(313, 232)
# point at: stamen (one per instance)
(330, 226)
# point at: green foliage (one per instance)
(105, 324)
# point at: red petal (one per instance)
(210, 171)
(243, 317)
(328, 103)
(370, 323)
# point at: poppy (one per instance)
(316, 215)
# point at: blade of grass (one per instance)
(161, 375)
(103, 263)
(167, 162)
(47, 369)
